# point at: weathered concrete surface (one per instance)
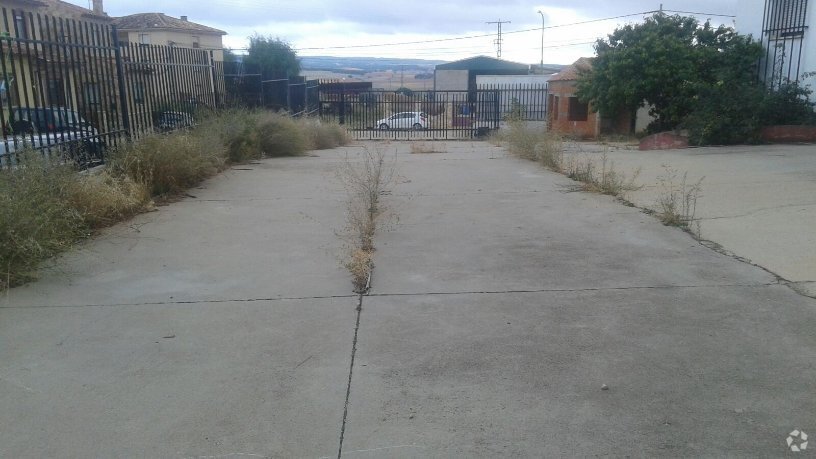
(502, 303)
(758, 202)
(220, 325)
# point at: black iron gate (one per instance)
(370, 114)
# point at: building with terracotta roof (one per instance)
(161, 29)
(59, 8)
(569, 116)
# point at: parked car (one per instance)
(170, 121)
(404, 120)
(52, 129)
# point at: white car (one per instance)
(404, 120)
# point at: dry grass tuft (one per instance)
(364, 180)
(532, 143)
(35, 222)
(168, 164)
(359, 265)
(677, 202)
(604, 180)
(323, 135)
(103, 199)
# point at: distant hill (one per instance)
(363, 65)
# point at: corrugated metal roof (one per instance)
(483, 63)
(161, 21)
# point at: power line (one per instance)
(468, 37)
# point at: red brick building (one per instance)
(571, 117)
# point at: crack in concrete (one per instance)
(762, 209)
(576, 290)
(351, 372)
(162, 303)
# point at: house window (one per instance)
(92, 93)
(786, 18)
(578, 110)
(196, 42)
(20, 25)
(144, 38)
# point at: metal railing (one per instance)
(69, 88)
(404, 114)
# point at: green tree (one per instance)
(667, 62)
(274, 57)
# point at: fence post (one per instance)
(120, 77)
(342, 103)
(212, 81)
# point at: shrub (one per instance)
(724, 115)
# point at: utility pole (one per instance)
(498, 41)
(542, 40)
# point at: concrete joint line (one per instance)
(575, 290)
(167, 303)
(351, 371)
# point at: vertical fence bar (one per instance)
(120, 79)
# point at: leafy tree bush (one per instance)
(693, 76)
(274, 57)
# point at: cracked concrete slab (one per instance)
(232, 240)
(701, 354)
(705, 371)
(190, 380)
(758, 202)
(216, 326)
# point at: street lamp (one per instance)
(542, 39)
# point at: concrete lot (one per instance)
(502, 304)
(758, 202)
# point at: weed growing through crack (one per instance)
(677, 201)
(365, 181)
(604, 180)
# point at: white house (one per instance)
(787, 30)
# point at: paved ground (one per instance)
(758, 202)
(502, 302)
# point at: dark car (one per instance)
(170, 121)
(55, 128)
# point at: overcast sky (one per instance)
(322, 27)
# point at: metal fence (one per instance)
(71, 90)
(373, 114)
